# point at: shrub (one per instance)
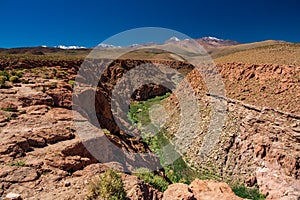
(2, 81)
(71, 82)
(156, 181)
(249, 193)
(10, 109)
(19, 163)
(25, 81)
(107, 186)
(4, 73)
(43, 89)
(14, 79)
(19, 74)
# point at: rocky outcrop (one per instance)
(259, 144)
(266, 85)
(200, 190)
(19, 63)
(209, 190)
(137, 189)
(178, 191)
(42, 156)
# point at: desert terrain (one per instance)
(42, 156)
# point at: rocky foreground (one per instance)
(42, 156)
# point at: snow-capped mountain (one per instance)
(104, 46)
(207, 42)
(211, 38)
(69, 47)
(215, 42)
(173, 39)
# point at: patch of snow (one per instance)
(70, 47)
(103, 46)
(173, 39)
(212, 38)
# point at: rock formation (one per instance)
(43, 157)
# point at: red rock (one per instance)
(178, 191)
(212, 190)
(136, 189)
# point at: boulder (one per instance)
(212, 190)
(136, 189)
(178, 191)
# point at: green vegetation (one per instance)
(156, 181)
(8, 118)
(14, 79)
(107, 186)
(248, 193)
(139, 112)
(179, 170)
(5, 73)
(18, 73)
(43, 89)
(18, 163)
(10, 109)
(71, 82)
(2, 81)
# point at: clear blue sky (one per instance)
(89, 22)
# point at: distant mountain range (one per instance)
(207, 42)
(215, 47)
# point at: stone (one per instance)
(62, 97)
(18, 174)
(136, 189)
(67, 184)
(178, 191)
(212, 190)
(13, 196)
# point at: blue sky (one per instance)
(89, 22)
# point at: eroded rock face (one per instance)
(200, 190)
(259, 143)
(41, 154)
(178, 191)
(209, 190)
(39, 146)
(112, 75)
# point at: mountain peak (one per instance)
(69, 47)
(211, 38)
(173, 39)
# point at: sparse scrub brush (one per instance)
(2, 81)
(107, 186)
(14, 79)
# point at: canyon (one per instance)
(42, 155)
